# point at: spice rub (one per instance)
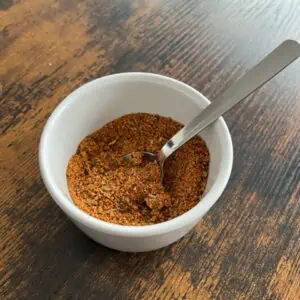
(107, 187)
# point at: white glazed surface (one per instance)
(104, 99)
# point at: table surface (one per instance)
(247, 246)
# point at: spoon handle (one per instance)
(270, 66)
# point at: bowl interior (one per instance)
(107, 98)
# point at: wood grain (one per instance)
(248, 246)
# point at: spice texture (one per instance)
(115, 190)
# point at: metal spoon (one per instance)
(270, 66)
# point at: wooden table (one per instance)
(248, 246)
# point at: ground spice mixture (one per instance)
(107, 187)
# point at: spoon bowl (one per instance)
(147, 157)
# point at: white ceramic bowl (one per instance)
(104, 99)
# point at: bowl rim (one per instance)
(186, 219)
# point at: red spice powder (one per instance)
(115, 190)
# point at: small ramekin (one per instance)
(104, 99)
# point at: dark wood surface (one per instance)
(247, 246)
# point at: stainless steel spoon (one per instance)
(270, 66)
